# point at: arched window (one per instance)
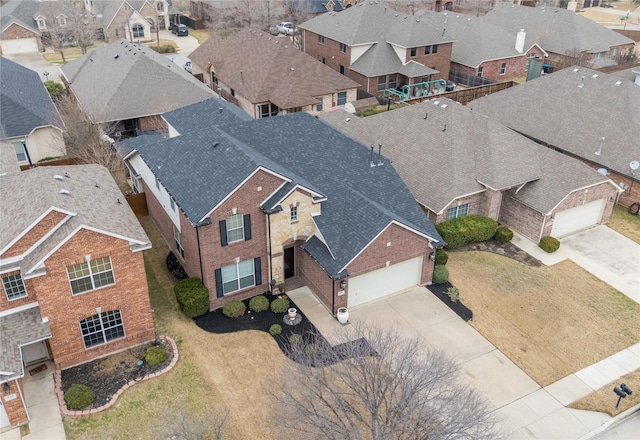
(152, 24)
(138, 31)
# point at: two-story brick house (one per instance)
(73, 277)
(253, 205)
(378, 47)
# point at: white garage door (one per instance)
(578, 218)
(382, 282)
(19, 45)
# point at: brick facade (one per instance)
(514, 66)
(36, 233)
(16, 31)
(476, 204)
(520, 217)
(13, 403)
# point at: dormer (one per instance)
(62, 20)
(42, 22)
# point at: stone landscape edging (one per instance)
(71, 413)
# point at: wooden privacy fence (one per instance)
(467, 95)
(52, 163)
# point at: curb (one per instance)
(70, 413)
(620, 417)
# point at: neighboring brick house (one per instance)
(73, 276)
(267, 76)
(19, 32)
(134, 20)
(279, 203)
(460, 162)
(379, 48)
(29, 120)
(135, 85)
(567, 37)
(588, 115)
(488, 51)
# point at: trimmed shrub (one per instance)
(279, 305)
(192, 296)
(79, 396)
(275, 329)
(440, 275)
(312, 350)
(234, 309)
(259, 303)
(441, 257)
(155, 355)
(295, 339)
(549, 244)
(503, 235)
(454, 294)
(54, 88)
(467, 229)
(165, 48)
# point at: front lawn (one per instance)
(604, 400)
(624, 223)
(70, 54)
(215, 373)
(201, 34)
(551, 321)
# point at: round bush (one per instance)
(503, 235)
(549, 244)
(441, 257)
(275, 329)
(259, 303)
(234, 309)
(192, 296)
(54, 88)
(79, 396)
(467, 229)
(312, 350)
(155, 355)
(279, 305)
(295, 339)
(440, 275)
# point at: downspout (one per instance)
(270, 254)
(333, 296)
(199, 253)
(544, 223)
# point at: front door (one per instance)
(289, 263)
(35, 352)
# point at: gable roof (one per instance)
(94, 202)
(135, 81)
(555, 29)
(360, 200)
(263, 68)
(22, 13)
(381, 59)
(456, 152)
(572, 118)
(25, 104)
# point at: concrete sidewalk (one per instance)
(526, 410)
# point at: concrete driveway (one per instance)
(186, 45)
(35, 61)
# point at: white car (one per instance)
(285, 27)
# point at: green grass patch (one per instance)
(624, 223)
(201, 34)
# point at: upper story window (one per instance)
(293, 216)
(480, 71)
(235, 228)
(90, 276)
(321, 39)
(178, 239)
(458, 211)
(102, 328)
(427, 50)
(503, 68)
(20, 153)
(341, 69)
(343, 48)
(214, 78)
(414, 51)
(434, 48)
(160, 6)
(42, 24)
(62, 20)
(14, 287)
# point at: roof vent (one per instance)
(436, 102)
(58, 177)
(64, 191)
(575, 70)
(444, 106)
(618, 83)
(67, 175)
(594, 76)
(116, 56)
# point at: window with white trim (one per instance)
(138, 31)
(480, 71)
(235, 228)
(503, 68)
(102, 328)
(178, 239)
(319, 104)
(343, 48)
(20, 153)
(84, 277)
(321, 39)
(238, 276)
(293, 217)
(457, 211)
(14, 287)
(342, 98)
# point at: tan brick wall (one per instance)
(119, 25)
(15, 31)
(319, 282)
(36, 233)
(520, 217)
(476, 207)
(491, 203)
(14, 407)
(628, 196)
(129, 294)
(440, 61)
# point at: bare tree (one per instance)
(68, 24)
(400, 391)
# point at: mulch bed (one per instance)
(105, 376)
(440, 290)
(508, 250)
(216, 322)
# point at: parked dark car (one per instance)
(180, 30)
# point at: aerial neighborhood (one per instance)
(319, 219)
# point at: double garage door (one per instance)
(578, 218)
(382, 282)
(19, 45)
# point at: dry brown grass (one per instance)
(604, 400)
(235, 371)
(550, 321)
(624, 223)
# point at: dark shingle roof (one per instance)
(22, 12)
(25, 104)
(361, 200)
(572, 118)
(134, 82)
(263, 68)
